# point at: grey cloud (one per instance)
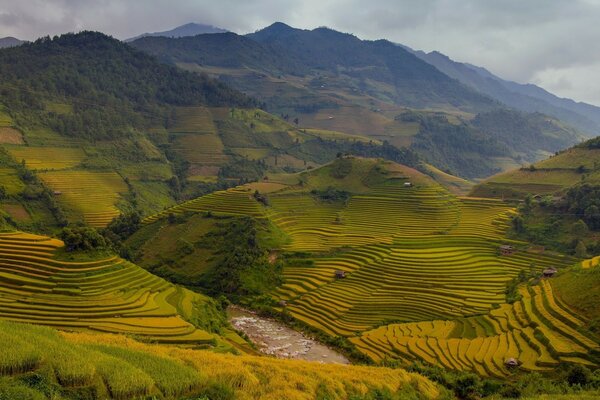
(517, 39)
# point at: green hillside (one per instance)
(576, 165)
(333, 81)
(113, 130)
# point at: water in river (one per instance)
(273, 338)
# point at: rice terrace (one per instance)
(334, 210)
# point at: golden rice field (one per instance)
(106, 295)
(539, 331)
(89, 195)
(48, 158)
(410, 254)
(117, 367)
(591, 262)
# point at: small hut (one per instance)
(506, 250)
(407, 184)
(282, 303)
(549, 272)
(57, 192)
(339, 274)
(511, 363)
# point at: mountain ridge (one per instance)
(525, 97)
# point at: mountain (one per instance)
(334, 81)
(10, 41)
(191, 29)
(87, 144)
(524, 97)
(414, 83)
(227, 50)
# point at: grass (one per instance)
(131, 369)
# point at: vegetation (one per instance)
(415, 267)
(83, 365)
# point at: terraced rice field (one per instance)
(539, 331)
(411, 254)
(108, 295)
(48, 158)
(195, 138)
(236, 201)
(89, 195)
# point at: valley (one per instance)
(197, 214)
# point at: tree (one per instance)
(518, 224)
(578, 375)
(82, 238)
(580, 249)
(579, 229)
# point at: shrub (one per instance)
(578, 375)
(82, 238)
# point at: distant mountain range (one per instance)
(191, 29)
(291, 50)
(524, 97)
(10, 41)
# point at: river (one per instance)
(274, 338)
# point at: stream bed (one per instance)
(274, 338)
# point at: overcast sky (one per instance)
(552, 43)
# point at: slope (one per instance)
(10, 41)
(578, 164)
(77, 366)
(41, 284)
(366, 243)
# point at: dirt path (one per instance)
(273, 338)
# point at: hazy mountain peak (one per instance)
(189, 29)
(10, 41)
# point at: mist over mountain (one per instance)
(191, 29)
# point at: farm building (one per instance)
(407, 184)
(511, 362)
(340, 274)
(549, 272)
(57, 192)
(282, 303)
(506, 250)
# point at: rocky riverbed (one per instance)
(274, 338)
